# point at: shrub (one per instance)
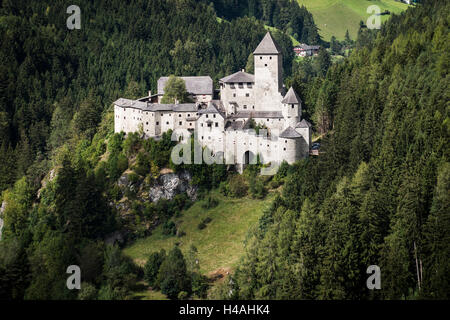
(169, 228)
(201, 226)
(237, 186)
(210, 202)
(207, 220)
(223, 188)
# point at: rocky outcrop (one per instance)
(167, 186)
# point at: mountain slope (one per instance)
(334, 17)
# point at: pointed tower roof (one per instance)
(291, 97)
(267, 46)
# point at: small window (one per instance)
(270, 58)
(179, 115)
(157, 123)
(180, 123)
(207, 116)
(260, 58)
(245, 107)
(146, 123)
(214, 116)
(284, 149)
(247, 94)
(234, 95)
(167, 122)
(285, 141)
(265, 65)
(217, 124)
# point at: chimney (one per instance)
(149, 93)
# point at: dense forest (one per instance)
(285, 15)
(60, 158)
(378, 193)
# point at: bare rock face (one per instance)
(169, 185)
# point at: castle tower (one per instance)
(268, 74)
(292, 108)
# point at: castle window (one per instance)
(162, 114)
(284, 149)
(232, 86)
(189, 115)
(146, 123)
(265, 65)
(201, 124)
(217, 124)
(249, 85)
(267, 120)
(214, 116)
(207, 116)
(146, 113)
(180, 123)
(124, 117)
(179, 115)
(202, 137)
(247, 94)
(234, 95)
(241, 85)
(157, 123)
(245, 107)
(260, 58)
(292, 106)
(167, 122)
(253, 107)
(270, 58)
(285, 141)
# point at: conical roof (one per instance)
(291, 97)
(267, 46)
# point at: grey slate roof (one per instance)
(212, 108)
(122, 102)
(194, 85)
(257, 114)
(290, 133)
(234, 125)
(267, 46)
(291, 97)
(239, 76)
(144, 106)
(303, 124)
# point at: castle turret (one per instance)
(292, 108)
(268, 73)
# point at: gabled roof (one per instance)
(290, 133)
(267, 46)
(234, 125)
(122, 102)
(210, 109)
(291, 97)
(194, 85)
(256, 114)
(303, 124)
(239, 76)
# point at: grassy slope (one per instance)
(334, 17)
(220, 244)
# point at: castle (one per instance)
(226, 125)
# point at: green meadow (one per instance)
(334, 17)
(220, 244)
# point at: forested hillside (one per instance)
(285, 15)
(378, 194)
(50, 75)
(60, 158)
